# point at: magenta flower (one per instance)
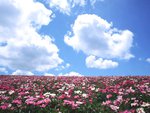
(4, 106)
(17, 101)
(62, 96)
(47, 100)
(108, 96)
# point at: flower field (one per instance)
(41, 94)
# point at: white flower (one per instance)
(133, 98)
(97, 89)
(84, 95)
(2, 92)
(49, 94)
(37, 96)
(78, 92)
(62, 89)
(115, 108)
(134, 104)
(53, 94)
(83, 84)
(9, 105)
(145, 104)
(66, 93)
(11, 92)
(140, 110)
(130, 90)
(93, 88)
(78, 102)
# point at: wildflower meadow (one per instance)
(45, 94)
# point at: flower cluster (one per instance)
(41, 94)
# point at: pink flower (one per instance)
(130, 90)
(118, 101)
(17, 101)
(22, 93)
(76, 97)
(74, 106)
(140, 110)
(39, 102)
(47, 100)
(62, 96)
(43, 105)
(30, 102)
(127, 100)
(107, 102)
(113, 107)
(108, 96)
(67, 102)
(71, 103)
(4, 106)
(5, 97)
(68, 96)
(127, 111)
(70, 91)
(44, 101)
(91, 101)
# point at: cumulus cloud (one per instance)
(100, 63)
(3, 70)
(22, 47)
(148, 60)
(22, 72)
(95, 36)
(65, 6)
(72, 73)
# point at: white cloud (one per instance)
(3, 70)
(67, 65)
(65, 6)
(61, 5)
(48, 74)
(22, 72)
(72, 73)
(94, 1)
(24, 47)
(62, 67)
(95, 36)
(100, 63)
(148, 60)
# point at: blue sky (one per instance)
(75, 37)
